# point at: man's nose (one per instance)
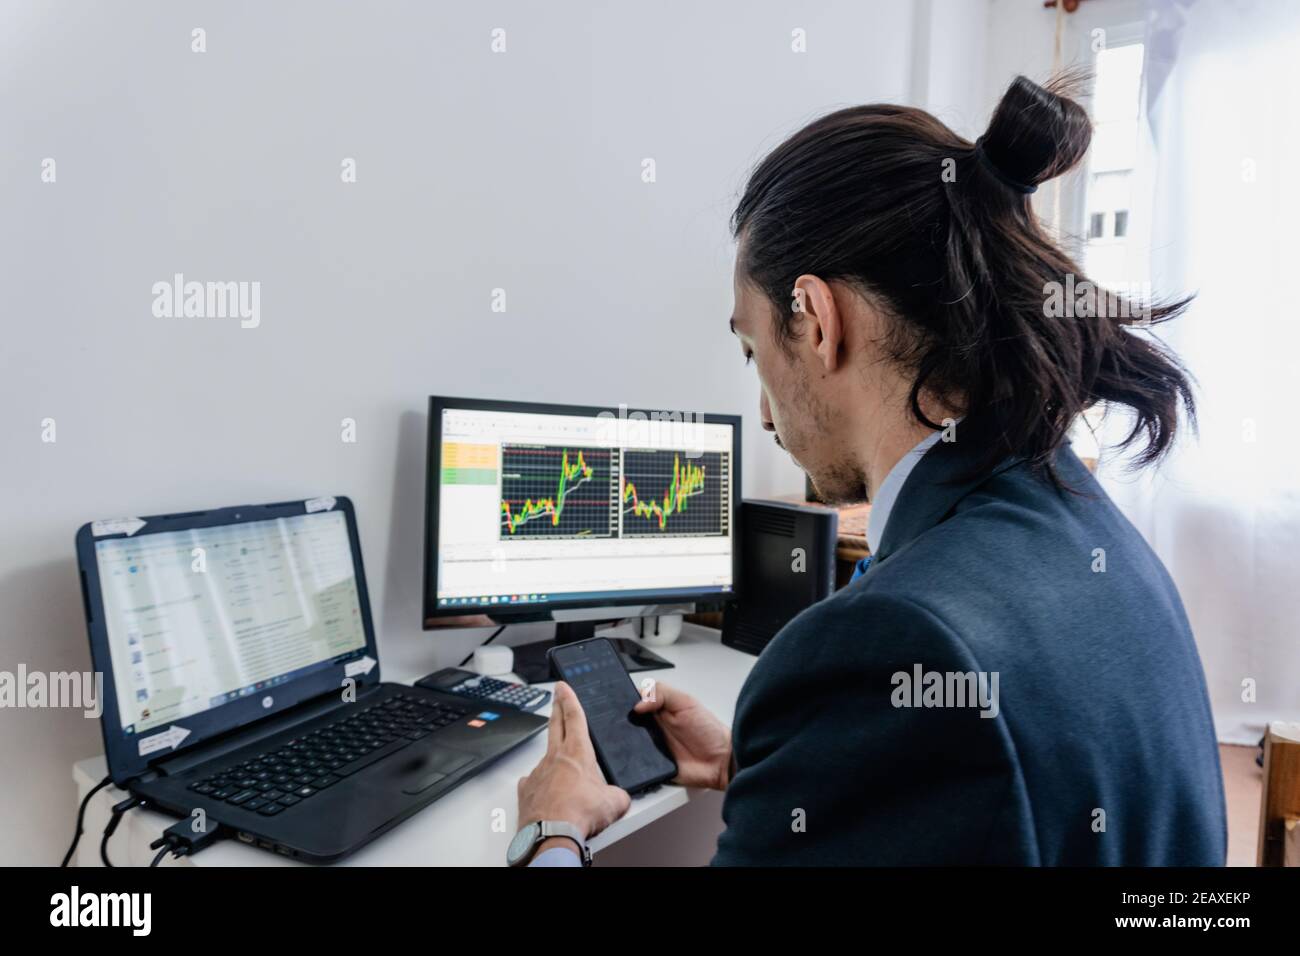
(765, 412)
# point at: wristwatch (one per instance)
(527, 840)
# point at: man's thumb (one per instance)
(649, 706)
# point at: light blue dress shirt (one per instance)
(556, 856)
(882, 503)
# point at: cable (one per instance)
(484, 644)
(114, 820)
(161, 853)
(183, 840)
(81, 817)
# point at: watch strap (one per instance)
(558, 828)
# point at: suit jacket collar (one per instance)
(947, 474)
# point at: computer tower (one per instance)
(787, 564)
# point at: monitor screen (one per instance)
(201, 617)
(571, 507)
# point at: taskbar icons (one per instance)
(491, 599)
(250, 689)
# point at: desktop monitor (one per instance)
(547, 512)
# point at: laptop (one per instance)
(241, 677)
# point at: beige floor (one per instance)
(1242, 781)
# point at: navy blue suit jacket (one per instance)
(1102, 749)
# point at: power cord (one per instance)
(180, 839)
(162, 853)
(118, 812)
(81, 818)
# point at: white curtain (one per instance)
(1221, 176)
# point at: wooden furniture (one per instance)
(1279, 814)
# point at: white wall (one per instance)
(950, 67)
(476, 171)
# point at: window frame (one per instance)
(1125, 24)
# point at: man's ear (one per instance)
(818, 318)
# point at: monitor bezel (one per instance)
(435, 618)
(121, 750)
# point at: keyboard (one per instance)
(289, 772)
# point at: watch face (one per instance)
(523, 842)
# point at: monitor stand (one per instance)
(533, 667)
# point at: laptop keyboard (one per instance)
(289, 773)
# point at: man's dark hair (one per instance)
(939, 233)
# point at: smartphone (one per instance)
(630, 747)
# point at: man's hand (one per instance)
(567, 784)
(699, 742)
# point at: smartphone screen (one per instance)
(630, 747)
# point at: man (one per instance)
(1011, 679)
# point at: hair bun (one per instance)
(1037, 132)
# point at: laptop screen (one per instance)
(201, 617)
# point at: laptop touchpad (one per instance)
(435, 765)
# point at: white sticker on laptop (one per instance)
(165, 740)
(319, 504)
(362, 665)
(127, 526)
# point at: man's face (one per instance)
(800, 402)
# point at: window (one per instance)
(1112, 158)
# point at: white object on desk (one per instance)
(464, 827)
(492, 660)
(664, 631)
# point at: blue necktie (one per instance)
(860, 568)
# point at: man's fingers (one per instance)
(660, 695)
(577, 738)
(555, 727)
(575, 721)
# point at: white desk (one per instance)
(458, 829)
